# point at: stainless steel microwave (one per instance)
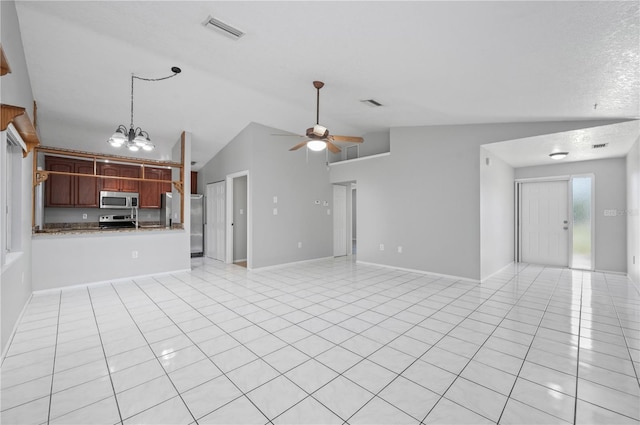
(118, 199)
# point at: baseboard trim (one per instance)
(276, 266)
(15, 328)
(447, 276)
(484, 279)
(101, 282)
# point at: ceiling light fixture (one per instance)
(136, 138)
(558, 155)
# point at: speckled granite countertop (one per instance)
(93, 228)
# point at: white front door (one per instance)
(544, 215)
(339, 220)
(215, 245)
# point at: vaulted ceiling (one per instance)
(427, 63)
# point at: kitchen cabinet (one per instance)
(70, 191)
(119, 170)
(194, 182)
(150, 191)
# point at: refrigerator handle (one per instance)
(204, 210)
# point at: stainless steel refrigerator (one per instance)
(197, 220)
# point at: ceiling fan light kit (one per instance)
(136, 138)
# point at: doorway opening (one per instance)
(238, 219)
(344, 219)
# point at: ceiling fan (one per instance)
(319, 137)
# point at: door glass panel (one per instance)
(581, 204)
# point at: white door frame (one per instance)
(518, 213)
(229, 188)
(340, 229)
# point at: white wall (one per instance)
(610, 193)
(633, 212)
(496, 214)
(425, 195)
(374, 143)
(66, 260)
(15, 277)
(295, 179)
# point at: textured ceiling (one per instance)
(428, 63)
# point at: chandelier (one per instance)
(134, 138)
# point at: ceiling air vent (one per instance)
(371, 102)
(599, 145)
(226, 29)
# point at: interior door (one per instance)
(339, 220)
(544, 225)
(215, 243)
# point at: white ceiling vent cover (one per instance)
(226, 29)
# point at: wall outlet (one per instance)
(275, 211)
(299, 244)
(241, 211)
(328, 211)
(381, 247)
(399, 250)
(275, 199)
(134, 254)
(84, 216)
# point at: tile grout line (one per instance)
(575, 397)
(156, 358)
(315, 333)
(624, 335)
(555, 288)
(55, 350)
(113, 388)
(198, 347)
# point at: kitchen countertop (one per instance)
(85, 229)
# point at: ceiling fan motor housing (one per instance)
(317, 132)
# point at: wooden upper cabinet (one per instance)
(150, 191)
(86, 193)
(194, 182)
(119, 170)
(129, 185)
(60, 188)
(67, 190)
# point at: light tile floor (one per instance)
(329, 342)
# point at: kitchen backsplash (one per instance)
(76, 215)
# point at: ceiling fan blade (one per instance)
(350, 139)
(299, 145)
(289, 135)
(333, 148)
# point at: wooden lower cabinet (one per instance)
(70, 191)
